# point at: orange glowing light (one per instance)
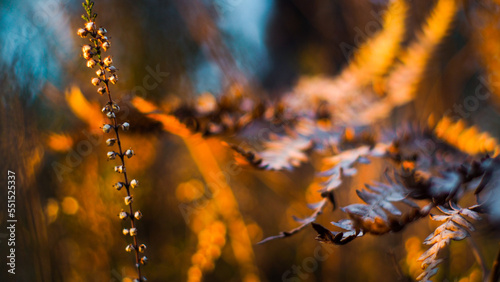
(60, 142)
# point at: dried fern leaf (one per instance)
(349, 95)
(337, 238)
(377, 54)
(378, 215)
(284, 153)
(324, 136)
(455, 227)
(402, 84)
(342, 164)
(403, 81)
(370, 218)
(417, 146)
(288, 151)
(342, 161)
(467, 139)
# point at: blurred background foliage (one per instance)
(68, 228)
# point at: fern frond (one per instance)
(455, 227)
(467, 139)
(438, 188)
(403, 81)
(417, 146)
(288, 151)
(348, 95)
(323, 135)
(284, 152)
(376, 55)
(342, 164)
(375, 216)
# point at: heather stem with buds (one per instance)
(106, 73)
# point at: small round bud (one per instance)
(123, 214)
(119, 169)
(82, 32)
(88, 56)
(111, 155)
(111, 115)
(105, 46)
(138, 215)
(112, 69)
(108, 61)
(101, 90)
(91, 63)
(125, 231)
(115, 108)
(102, 31)
(118, 186)
(144, 260)
(105, 109)
(128, 200)
(129, 248)
(90, 26)
(95, 81)
(86, 48)
(125, 126)
(142, 248)
(134, 183)
(99, 72)
(129, 153)
(133, 231)
(103, 38)
(106, 128)
(113, 79)
(110, 141)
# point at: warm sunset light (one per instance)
(250, 140)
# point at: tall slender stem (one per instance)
(127, 184)
(92, 53)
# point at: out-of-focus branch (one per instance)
(204, 31)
